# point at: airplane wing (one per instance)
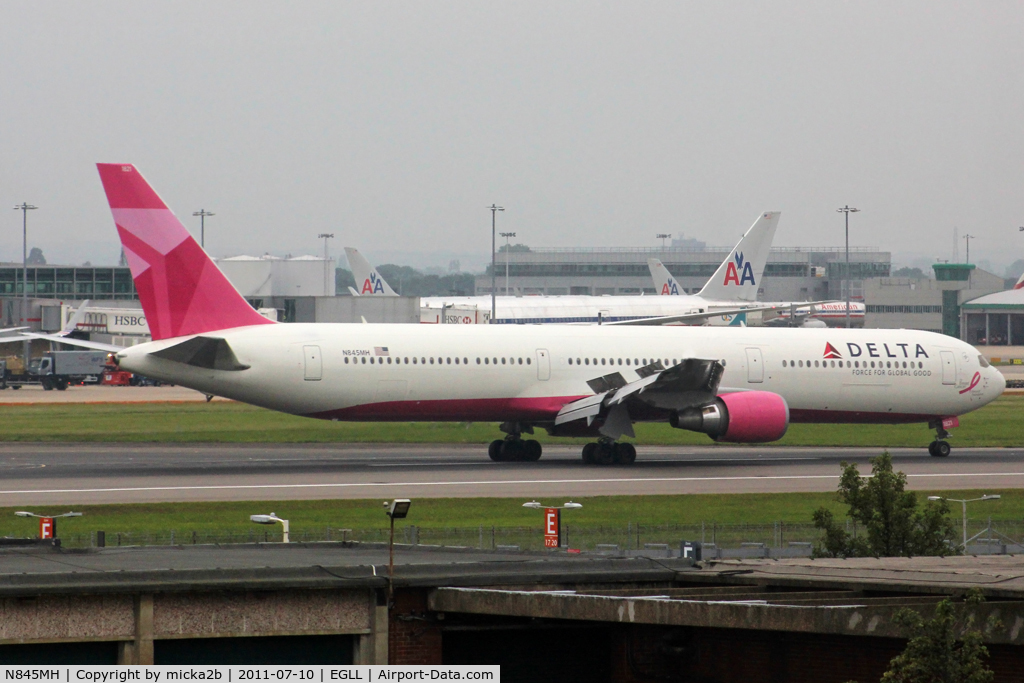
(12, 329)
(690, 383)
(692, 317)
(70, 341)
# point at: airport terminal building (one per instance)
(791, 274)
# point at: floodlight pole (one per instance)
(203, 213)
(507, 235)
(846, 275)
(391, 563)
(25, 207)
(326, 236)
(494, 276)
(663, 236)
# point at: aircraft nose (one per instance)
(998, 382)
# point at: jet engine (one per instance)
(741, 417)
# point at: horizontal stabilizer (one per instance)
(203, 352)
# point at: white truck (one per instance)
(56, 370)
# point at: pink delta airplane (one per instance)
(733, 384)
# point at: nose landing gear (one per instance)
(940, 447)
(607, 452)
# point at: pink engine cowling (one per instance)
(754, 416)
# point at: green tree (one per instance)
(907, 271)
(888, 515)
(947, 647)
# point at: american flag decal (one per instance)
(380, 351)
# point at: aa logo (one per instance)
(831, 351)
(373, 285)
(670, 287)
(740, 272)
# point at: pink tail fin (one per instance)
(182, 291)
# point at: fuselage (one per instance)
(528, 372)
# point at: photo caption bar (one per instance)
(233, 674)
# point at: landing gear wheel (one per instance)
(532, 451)
(512, 450)
(939, 449)
(62, 385)
(625, 454)
(494, 450)
(588, 454)
(604, 454)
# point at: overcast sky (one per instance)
(393, 125)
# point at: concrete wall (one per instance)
(137, 620)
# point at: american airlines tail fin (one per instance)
(739, 276)
(368, 280)
(664, 283)
(181, 290)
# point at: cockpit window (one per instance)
(982, 361)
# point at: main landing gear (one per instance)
(514, 449)
(940, 447)
(607, 452)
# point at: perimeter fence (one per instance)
(780, 539)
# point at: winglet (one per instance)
(73, 321)
(181, 290)
(739, 276)
(368, 280)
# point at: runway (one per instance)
(36, 474)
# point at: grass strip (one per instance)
(998, 424)
(440, 513)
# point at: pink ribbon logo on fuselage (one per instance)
(974, 383)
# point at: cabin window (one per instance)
(527, 360)
(456, 360)
(465, 361)
(346, 360)
(423, 361)
(520, 361)
(675, 362)
(487, 361)
(570, 361)
(495, 361)
(448, 361)
(586, 361)
(602, 361)
(364, 360)
(478, 361)
(502, 361)
(389, 360)
(636, 362)
(783, 363)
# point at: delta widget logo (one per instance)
(832, 352)
(373, 285)
(739, 271)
